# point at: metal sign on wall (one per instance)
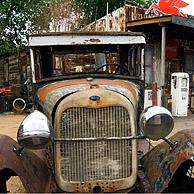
(173, 7)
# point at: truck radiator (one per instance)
(93, 144)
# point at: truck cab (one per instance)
(82, 85)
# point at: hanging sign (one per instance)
(173, 7)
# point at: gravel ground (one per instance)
(14, 185)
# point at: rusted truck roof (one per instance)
(86, 38)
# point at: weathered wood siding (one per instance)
(116, 21)
(15, 69)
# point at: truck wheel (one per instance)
(19, 105)
(183, 179)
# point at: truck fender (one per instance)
(32, 170)
(161, 163)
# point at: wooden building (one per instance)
(170, 47)
(15, 70)
(116, 20)
(170, 42)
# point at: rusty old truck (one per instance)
(89, 131)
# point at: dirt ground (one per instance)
(9, 124)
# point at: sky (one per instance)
(190, 8)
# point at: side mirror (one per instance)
(156, 122)
(35, 131)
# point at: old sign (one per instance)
(173, 7)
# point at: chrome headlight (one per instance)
(156, 122)
(34, 131)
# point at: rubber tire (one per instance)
(18, 108)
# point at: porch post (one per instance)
(32, 67)
(163, 47)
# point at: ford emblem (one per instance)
(94, 98)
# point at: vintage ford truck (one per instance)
(89, 132)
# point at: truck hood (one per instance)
(52, 93)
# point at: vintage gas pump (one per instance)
(180, 93)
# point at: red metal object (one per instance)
(154, 94)
(171, 7)
(6, 90)
(154, 84)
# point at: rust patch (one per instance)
(94, 40)
(161, 163)
(43, 92)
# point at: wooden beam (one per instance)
(149, 21)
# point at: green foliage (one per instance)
(6, 47)
(142, 2)
(95, 9)
(16, 20)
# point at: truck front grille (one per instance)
(91, 144)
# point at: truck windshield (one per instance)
(57, 61)
(84, 62)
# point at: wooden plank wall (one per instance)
(15, 69)
(116, 21)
